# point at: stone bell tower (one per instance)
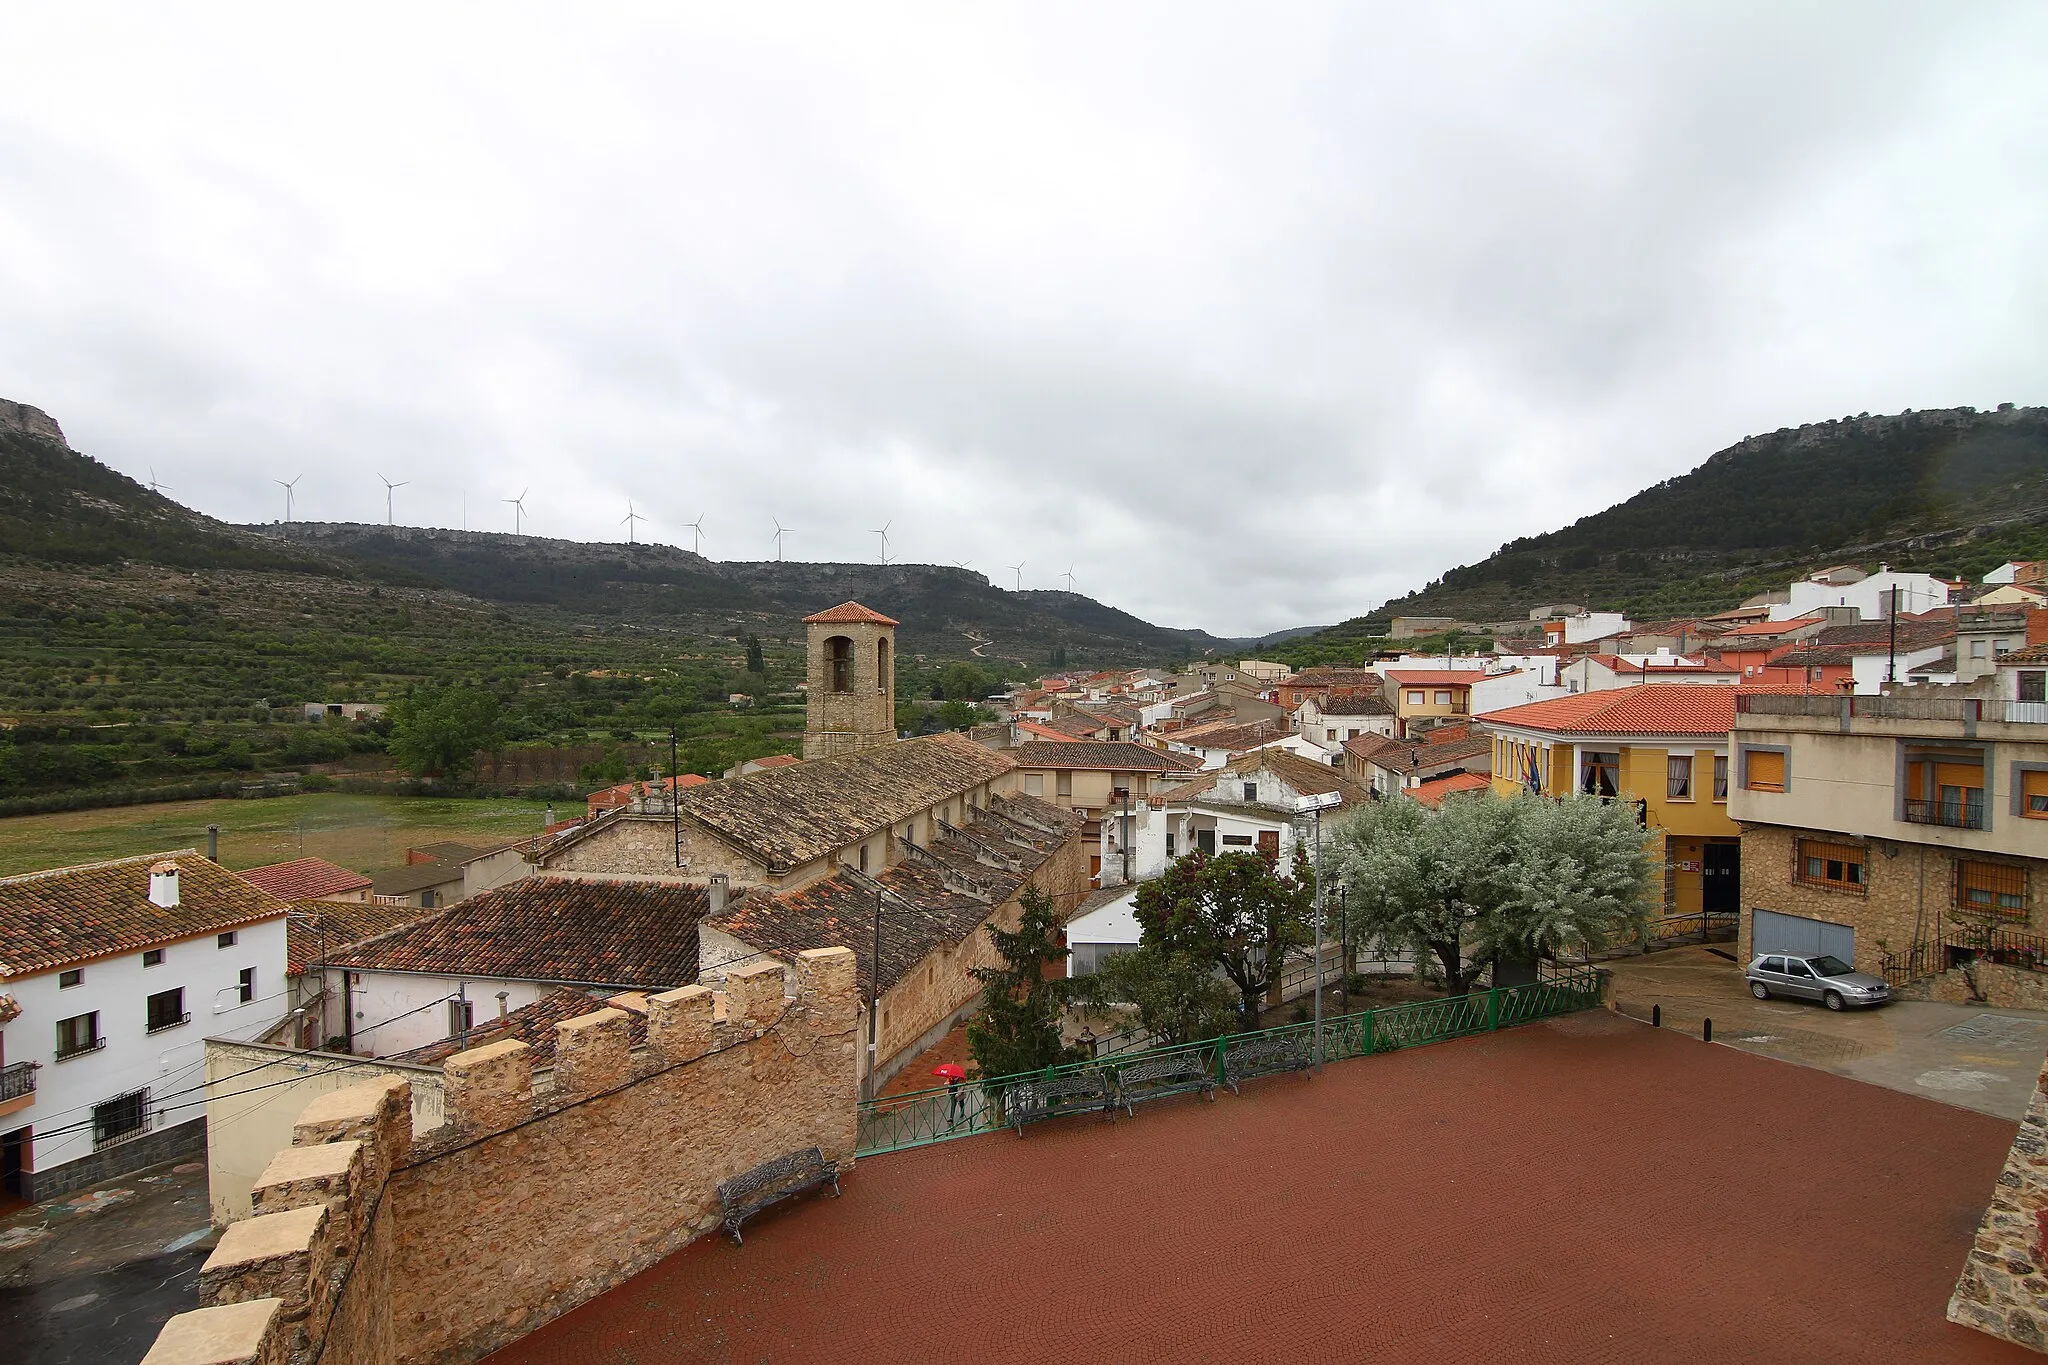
(852, 705)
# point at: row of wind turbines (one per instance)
(631, 521)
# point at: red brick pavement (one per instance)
(1583, 1190)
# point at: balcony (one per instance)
(17, 1081)
(1948, 814)
(1956, 710)
(65, 1054)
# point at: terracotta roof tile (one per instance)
(1432, 792)
(1111, 756)
(849, 613)
(533, 1025)
(1651, 709)
(305, 879)
(317, 928)
(1304, 775)
(1356, 703)
(619, 934)
(70, 914)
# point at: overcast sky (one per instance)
(1254, 315)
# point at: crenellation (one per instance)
(231, 1334)
(283, 1256)
(755, 992)
(593, 1053)
(679, 1023)
(489, 1087)
(328, 1174)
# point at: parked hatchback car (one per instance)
(1821, 977)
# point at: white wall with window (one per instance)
(392, 1012)
(118, 1041)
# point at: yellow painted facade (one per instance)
(1437, 702)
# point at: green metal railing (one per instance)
(894, 1123)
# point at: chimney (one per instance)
(213, 843)
(551, 813)
(163, 884)
(503, 996)
(720, 889)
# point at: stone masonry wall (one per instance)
(369, 1247)
(1885, 916)
(2003, 1289)
(630, 845)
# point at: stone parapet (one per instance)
(489, 1087)
(2003, 1289)
(679, 1023)
(283, 1256)
(754, 993)
(233, 1334)
(593, 1053)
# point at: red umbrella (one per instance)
(952, 1071)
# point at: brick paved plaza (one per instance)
(1583, 1190)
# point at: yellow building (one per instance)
(1433, 696)
(1662, 747)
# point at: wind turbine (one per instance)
(1018, 569)
(962, 564)
(154, 486)
(697, 536)
(628, 521)
(288, 487)
(518, 509)
(884, 534)
(1069, 576)
(388, 486)
(780, 532)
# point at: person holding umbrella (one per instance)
(956, 1095)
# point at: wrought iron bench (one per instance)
(1264, 1056)
(1158, 1077)
(743, 1196)
(1080, 1093)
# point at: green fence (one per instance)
(942, 1113)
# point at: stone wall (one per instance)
(2003, 1289)
(1904, 898)
(151, 1149)
(371, 1247)
(1996, 984)
(645, 846)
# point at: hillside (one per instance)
(1953, 491)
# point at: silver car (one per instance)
(1820, 977)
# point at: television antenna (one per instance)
(518, 509)
(288, 487)
(154, 486)
(884, 534)
(780, 532)
(630, 520)
(1018, 570)
(697, 536)
(388, 486)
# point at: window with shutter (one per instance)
(1763, 770)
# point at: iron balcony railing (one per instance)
(17, 1080)
(1949, 814)
(65, 1054)
(894, 1123)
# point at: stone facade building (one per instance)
(852, 675)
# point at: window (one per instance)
(245, 985)
(1601, 774)
(863, 857)
(839, 664)
(1763, 770)
(123, 1117)
(1244, 839)
(1443, 698)
(167, 1009)
(153, 957)
(1034, 785)
(1720, 777)
(1998, 889)
(1251, 791)
(1794, 967)
(882, 676)
(1838, 867)
(1977, 649)
(461, 1017)
(2034, 794)
(1169, 845)
(1416, 698)
(1944, 788)
(1678, 777)
(226, 940)
(78, 1034)
(74, 977)
(1772, 964)
(2033, 685)
(1063, 784)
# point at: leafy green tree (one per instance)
(1485, 875)
(958, 715)
(755, 663)
(1179, 999)
(963, 682)
(436, 732)
(1234, 912)
(1018, 1028)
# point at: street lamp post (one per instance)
(1313, 807)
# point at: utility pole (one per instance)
(874, 993)
(1891, 662)
(1313, 807)
(1344, 945)
(675, 788)
(1126, 832)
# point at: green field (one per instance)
(367, 833)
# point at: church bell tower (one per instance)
(852, 673)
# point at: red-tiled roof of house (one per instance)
(1107, 755)
(533, 1025)
(1652, 709)
(1432, 792)
(1369, 747)
(1305, 776)
(1408, 756)
(1771, 628)
(1032, 727)
(317, 928)
(770, 761)
(942, 892)
(2032, 654)
(306, 879)
(601, 933)
(847, 614)
(74, 914)
(1436, 677)
(1356, 703)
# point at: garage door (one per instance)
(1776, 933)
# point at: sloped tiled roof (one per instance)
(1369, 747)
(1368, 703)
(1845, 644)
(305, 879)
(1436, 677)
(1077, 727)
(1432, 792)
(534, 1025)
(1771, 628)
(847, 614)
(1109, 755)
(1652, 709)
(317, 928)
(71, 914)
(1413, 757)
(786, 817)
(625, 934)
(403, 881)
(1307, 777)
(2032, 654)
(940, 896)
